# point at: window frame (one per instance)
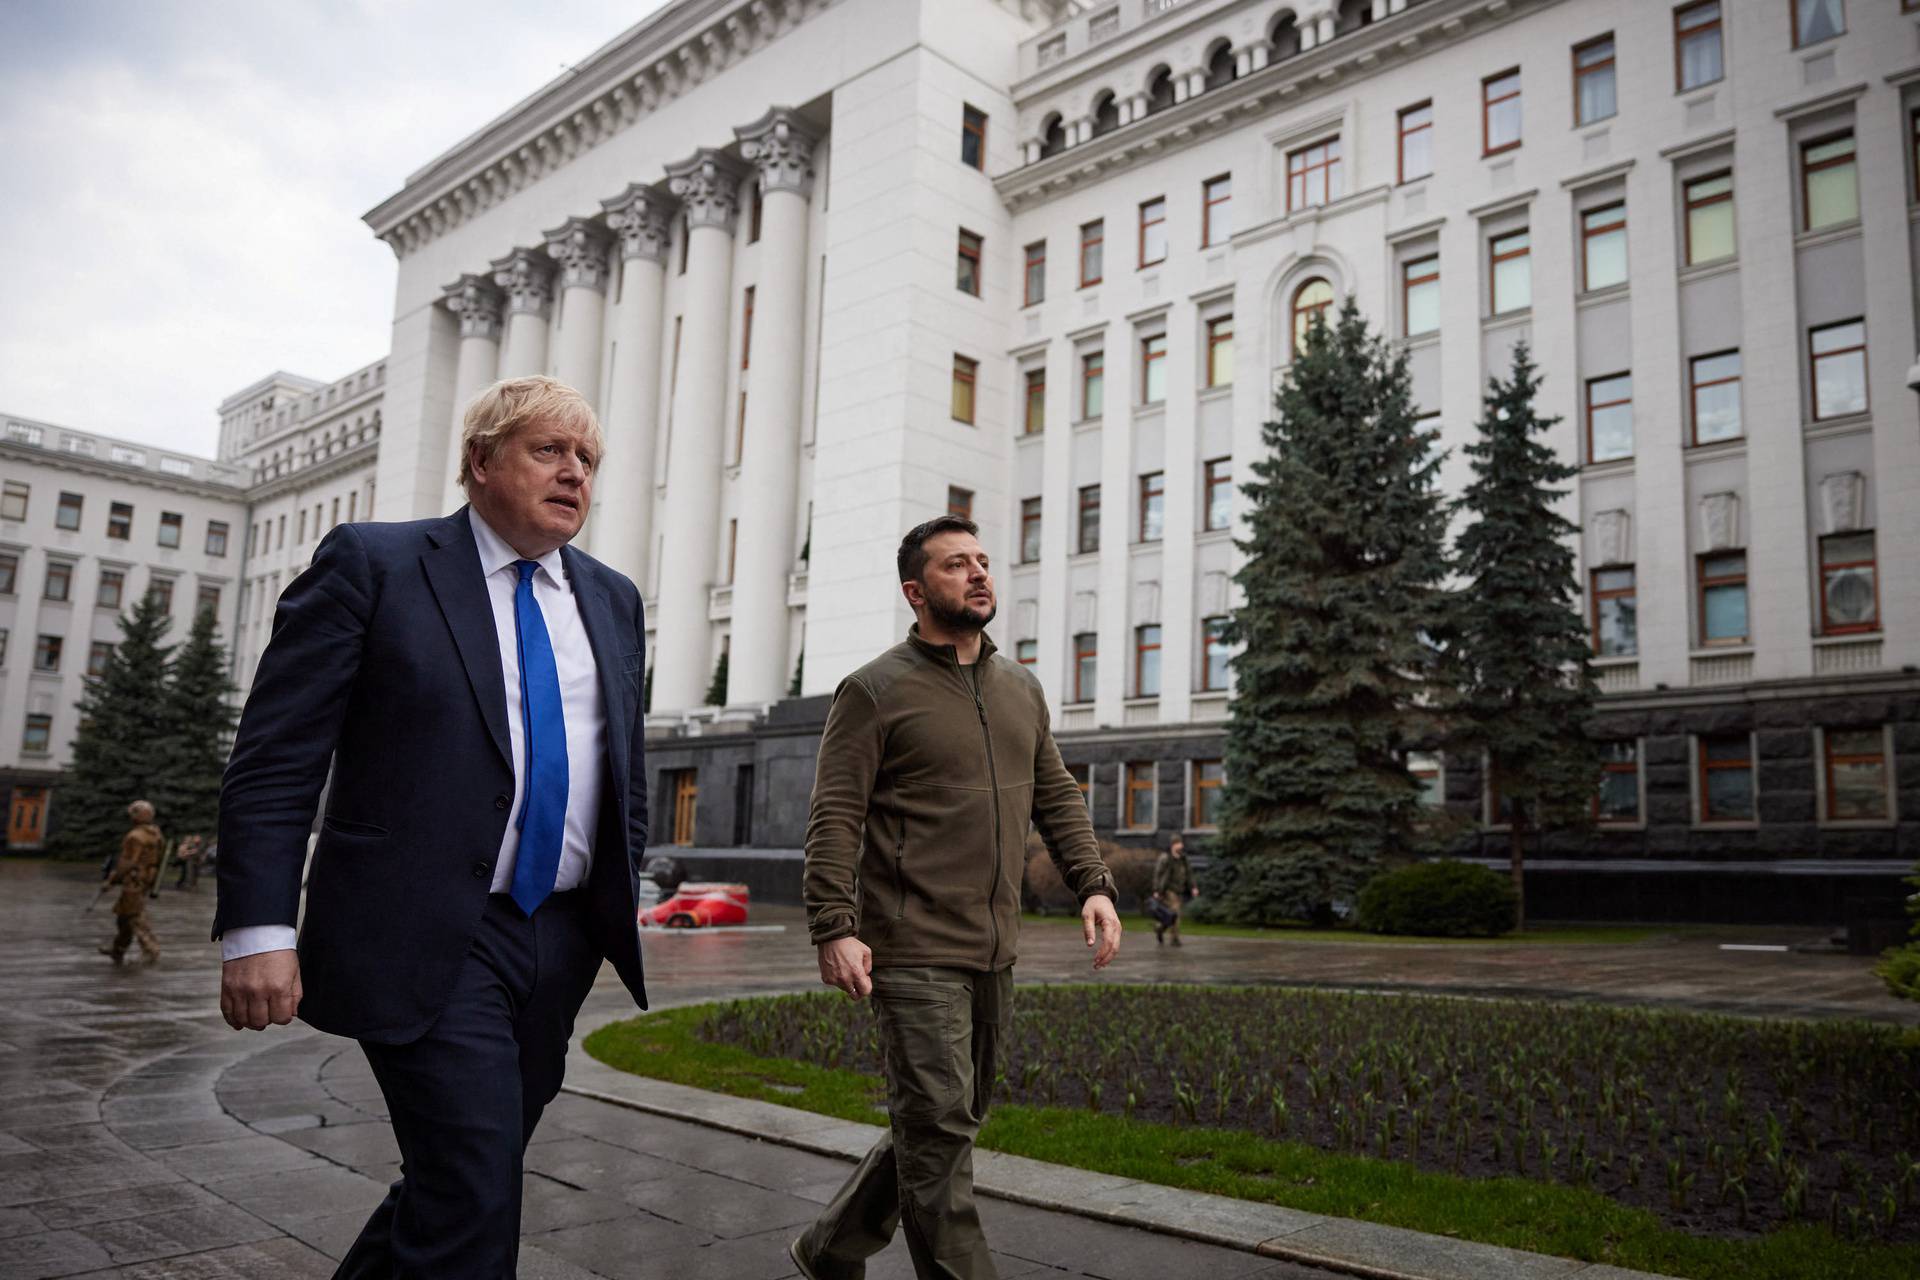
(176, 521)
(1029, 296)
(1093, 235)
(1609, 64)
(48, 650)
(60, 569)
(1141, 648)
(1590, 233)
(966, 374)
(1871, 563)
(1144, 223)
(1148, 358)
(69, 502)
(1590, 405)
(1199, 816)
(1703, 582)
(9, 573)
(1133, 784)
(117, 512)
(1408, 283)
(1093, 364)
(1694, 387)
(1487, 103)
(119, 583)
(1813, 370)
(1215, 340)
(1033, 420)
(1082, 652)
(1680, 36)
(1082, 511)
(960, 501)
(1704, 767)
(1153, 484)
(1295, 311)
(1596, 594)
(1851, 159)
(42, 721)
(1212, 481)
(1026, 652)
(1495, 258)
(12, 491)
(1030, 529)
(975, 254)
(1329, 167)
(968, 125)
(1210, 640)
(1208, 202)
(1793, 9)
(1402, 133)
(1639, 788)
(1689, 204)
(1882, 757)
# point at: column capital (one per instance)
(526, 277)
(643, 218)
(708, 185)
(780, 143)
(477, 303)
(580, 248)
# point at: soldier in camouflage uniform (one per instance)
(135, 872)
(1173, 885)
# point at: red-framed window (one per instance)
(959, 502)
(1035, 418)
(1817, 20)
(973, 137)
(1837, 359)
(1829, 182)
(1216, 211)
(1033, 283)
(1087, 532)
(1500, 112)
(1715, 381)
(1310, 303)
(1208, 778)
(1093, 240)
(1026, 652)
(1416, 141)
(1616, 625)
(1849, 584)
(1029, 530)
(1146, 661)
(1216, 499)
(1313, 174)
(967, 269)
(1153, 231)
(1855, 763)
(1617, 801)
(1420, 295)
(1610, 417)
(1138, 811)
(1153, 508)
(1153, 368)
(1086, 660)
(1603, 246)
(1216, 655)
(966, 373)
(1726, 777)
(1093, 385)
(1697, 57)
(1595, 93)
(1723, 598)
(1510, 269)
(1220, 351)
(1709, 217)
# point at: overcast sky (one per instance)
(184, 179)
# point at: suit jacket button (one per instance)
(500, 802)
(480, 869)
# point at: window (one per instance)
(112, 585)
(1500, 112)
(1138, 813)
(1594, 95)
(973, 138)
(1086, 660)
(1310, 302)
(46, 653)
(1215, 654)
(1089, 531)
(1204, 811)
(13, 501)
(1420, 295)
(1610, 418)
(1726, 777)
(1026, 652)
(1618, 800)
(59, 583)
(1430, 776)
(1035, 420)
(1839, 357)
(1313, 175)
(1029, 530)
(1709, 203)
(171, 523)
(1034, 286)
(217, 533)
(1220, 351)
(1092, 252)
(120, 520)
(1153, 231)
(959, 502)
(1153, 497)
(37, 740)
(1216, 211)
(1716, 396)
(1829, 194)
(1616, 629)
(1723, 598)
(1512, 272)
(1160, 90)
(9, 571)
(1416, 142)
(66, 515)
(1216, 505)
(1856, 774)
(1153, 369)
(1146, 661)
(1603, 246)
(967, 264)
(160, 591)
(1093, 385)
(1696, 45)
(1816, 20)
(964, 372)
(98, 656)
(684, 787)
(1849, 584)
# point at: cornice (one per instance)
(108, 470)
(305, 477)
(626, 80)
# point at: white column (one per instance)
(526, 277)
(623, 496)
(580, 248)
(477, 303)
(781, 145)
(708, 185)
(1119, 521)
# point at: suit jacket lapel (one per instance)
(596, 611)
(453, 570)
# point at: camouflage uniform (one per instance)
(135, 873)
(1173, 885)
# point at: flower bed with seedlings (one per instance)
(1721, 1127)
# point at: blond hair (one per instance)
(511, 403)
(137, 808)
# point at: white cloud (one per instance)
(185, 181)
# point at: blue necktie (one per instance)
(543, 811)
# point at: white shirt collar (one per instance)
(496, 555)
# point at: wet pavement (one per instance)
(139, 1137)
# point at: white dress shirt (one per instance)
(580, 704)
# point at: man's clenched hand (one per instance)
(260, 988)
(846, 963)
(1101, 925)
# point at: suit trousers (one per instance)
(942, 1031)
(465, 1097)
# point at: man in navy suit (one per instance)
(474, 684)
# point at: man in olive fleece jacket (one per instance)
(936, 757)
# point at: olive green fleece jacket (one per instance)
(929, 775)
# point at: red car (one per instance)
(698, 905)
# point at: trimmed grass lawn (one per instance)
(1542, 935)
(1515, 1212)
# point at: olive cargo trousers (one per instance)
(941, 1031)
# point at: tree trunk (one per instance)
(1516, 842)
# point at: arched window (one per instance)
(1053, 137)
(1310, 302)
(1159, 90)
(1354, 14)
(1284, 39)
(1220, 66)
(1106, 114)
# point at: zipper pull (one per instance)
(981, 707)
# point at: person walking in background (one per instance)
(135, 872)
(188, 855)
(935, 758)
(1172, 886)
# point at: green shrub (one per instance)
(1444, 899)
(1899, 967)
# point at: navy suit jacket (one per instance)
(384, 665)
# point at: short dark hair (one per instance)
(913, 548)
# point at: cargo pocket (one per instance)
(924, 1029)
